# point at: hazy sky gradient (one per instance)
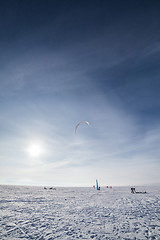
(66, 61)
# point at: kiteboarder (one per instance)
(133, 190)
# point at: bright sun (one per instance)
(35, 150)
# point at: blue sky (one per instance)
(66, 61)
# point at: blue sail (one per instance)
(97, 184)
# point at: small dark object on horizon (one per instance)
(51, 188)
(133, 190)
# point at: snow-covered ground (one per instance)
(79, 213)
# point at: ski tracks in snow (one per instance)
(78, 213)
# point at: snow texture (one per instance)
(79, 213)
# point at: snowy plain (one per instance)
(79, 213)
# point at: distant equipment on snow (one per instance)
(108, 186)
(80, 123)
(133, 190)
(50, 188)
